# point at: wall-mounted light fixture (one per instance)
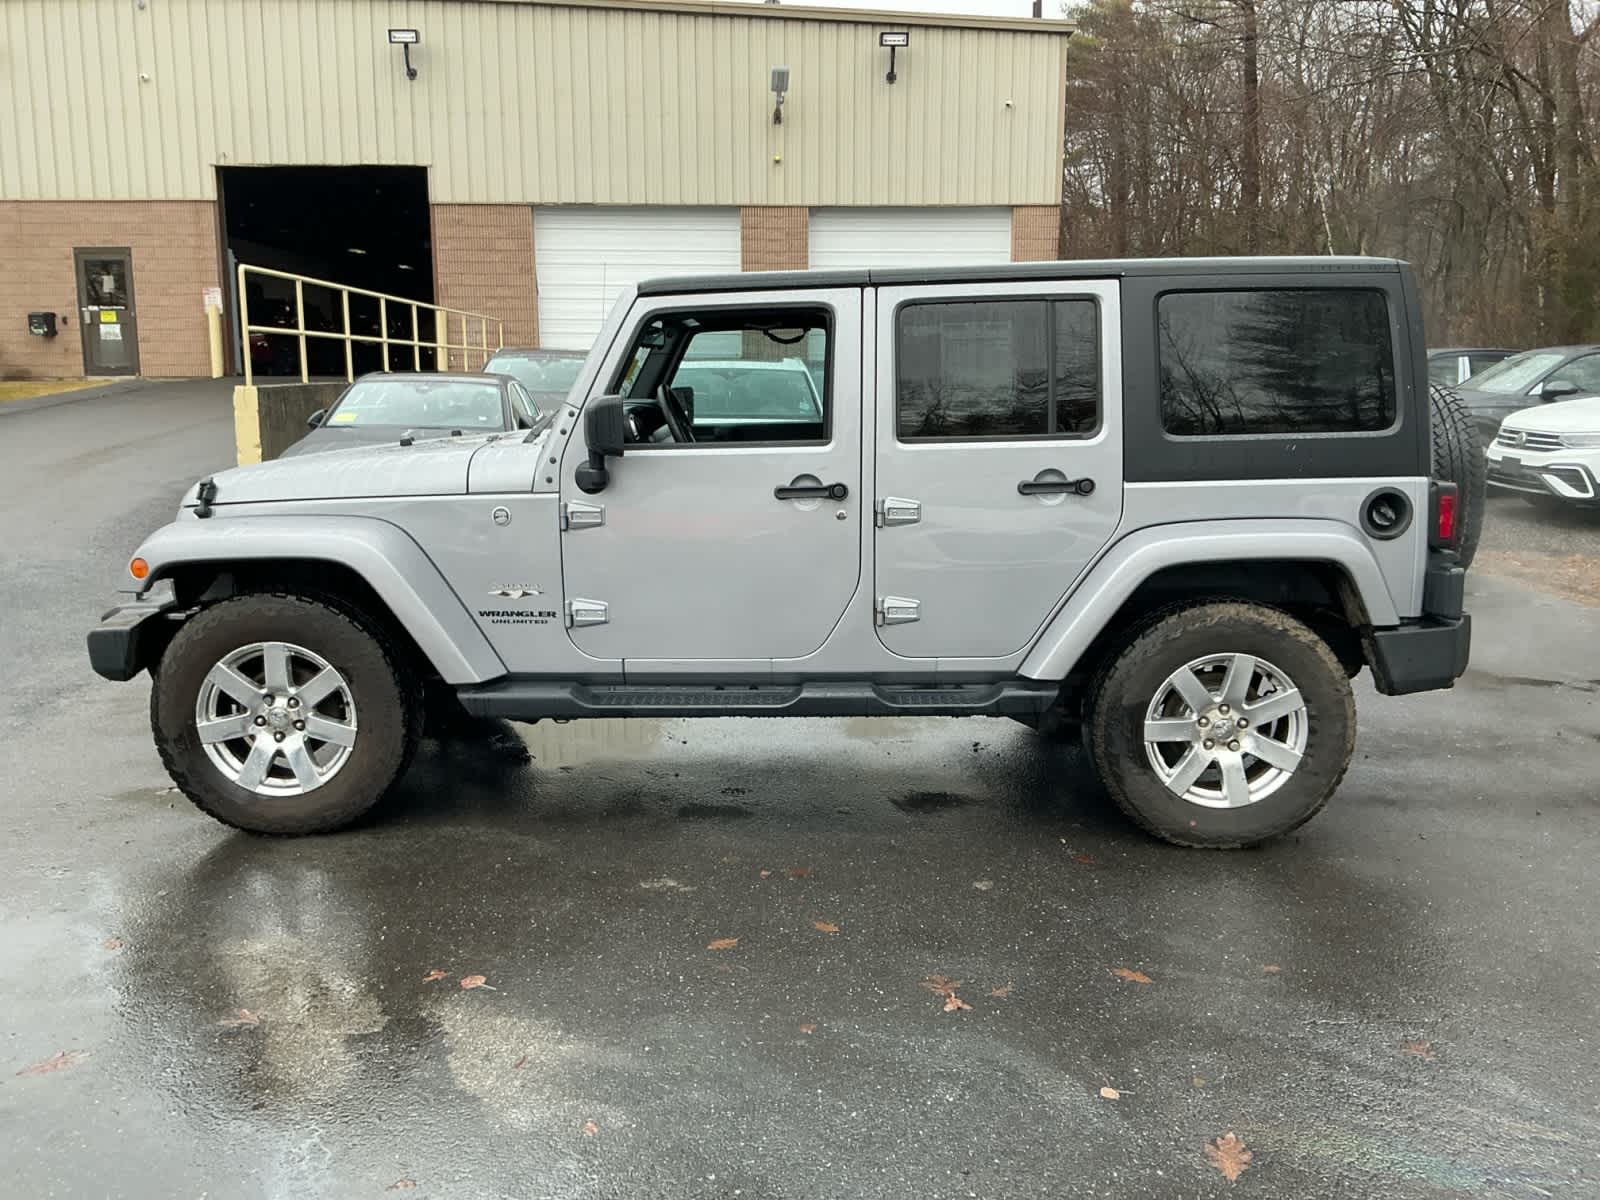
(895, 40)
(406, 38)
(780, 85)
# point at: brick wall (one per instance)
(483, 263)
(174, 244)
(774, 239)
(1035, 233)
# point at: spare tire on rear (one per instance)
(1458, 459)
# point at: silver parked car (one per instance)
(548, 375)
(380, 408)
(1178, 502)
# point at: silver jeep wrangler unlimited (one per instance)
(1176, 503)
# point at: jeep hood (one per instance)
(434, 467)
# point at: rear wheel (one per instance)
(282, 714)
(1222, 725)
(1458, 458)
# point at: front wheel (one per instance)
(282, 714)
(1222, 725)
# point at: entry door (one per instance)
(725, 547)
(999, 459)
(106, 312)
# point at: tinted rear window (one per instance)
(1285, 361)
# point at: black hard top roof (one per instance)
(1114, 268)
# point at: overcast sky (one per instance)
(984, 8)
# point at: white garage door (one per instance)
(909, 237)
(585, 256)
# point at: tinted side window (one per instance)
(1444, 370)
(997, 369)
(1275, 361)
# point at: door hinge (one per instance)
(586, 612)
(896, 510)
(577, 514)
(897, 610)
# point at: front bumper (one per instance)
(128, 638)
(1543, 474)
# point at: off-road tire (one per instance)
(1128, 681)
(1458, 458)
(387, 700)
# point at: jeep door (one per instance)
(724, 546)
(998, 448)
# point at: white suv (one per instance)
(1550, 452)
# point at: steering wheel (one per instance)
(677, 417)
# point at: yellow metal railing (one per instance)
(439, 347)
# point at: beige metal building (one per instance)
(546, 153)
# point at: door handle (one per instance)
(1045, 487)
(811, 491)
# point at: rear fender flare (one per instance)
(1129, 562)
(393, 565)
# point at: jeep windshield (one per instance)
(420, 404)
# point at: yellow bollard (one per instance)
(214, 332)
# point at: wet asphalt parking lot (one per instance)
(1400, 1000)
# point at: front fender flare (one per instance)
(394, 566)
(1129, 562)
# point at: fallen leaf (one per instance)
(1000, 993)
(808, 1029)
(58, 1061)
(1110, 1093)
(1086, 859)
(1132, 976)
(954, 1003)
(468, 982)
(941, 985)
(825, 927)
(664, 885)
(1228, 1155)
(799, 872)
(590, 1129)
(722, 943)
(1270, 968)
(983, 885)
(242, 1017)
(111, 943)
(766, 874)
(1419, 1049)
(1199, 1081)
(401, 1185)
(433, 975)
(520, 1063)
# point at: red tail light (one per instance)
(1444, 515)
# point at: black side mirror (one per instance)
(604, 431)
(315, 418)
(1556, 389)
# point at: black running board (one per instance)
(530, 699)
